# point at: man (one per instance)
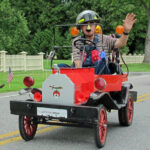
(87, 21)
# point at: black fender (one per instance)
(104, 98)
(113, 100)
(127, 85)
(133, 94)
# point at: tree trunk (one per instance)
(147, 43)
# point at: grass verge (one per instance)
(137, 68)
(47, 63)
(16, 83)
(39, 76)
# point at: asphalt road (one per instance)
(135, 137)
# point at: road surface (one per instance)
(135, 137)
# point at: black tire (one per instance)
(125, 114)
(101, 127)
(27, 127)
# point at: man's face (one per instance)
(89, 29)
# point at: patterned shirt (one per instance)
(105, 43)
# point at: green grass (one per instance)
(137, 67)
(39, 76)
(16, 83)
(47, 63)
(132, 67)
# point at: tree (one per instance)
(14, 30)
(146, 5)
(41, 42)
(41, 16)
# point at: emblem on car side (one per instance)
(55, 89)
(56, 93)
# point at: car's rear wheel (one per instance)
(101, 127)
(125, 114)
(27, 127)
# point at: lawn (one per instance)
(132, 67)
(16, 83)
(47, 63)
(137, 67)
(39, 76)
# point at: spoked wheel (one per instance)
(101, 128)
(125, 114)
(27, 127)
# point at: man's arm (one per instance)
(122, 41)
(128, 24)
(76, 55)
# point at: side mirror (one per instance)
(74, 31)
(119, 29)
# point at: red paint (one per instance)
(113, 82)
(29, 126)
(102, 125)
(84, 78)
(56, 93)
(130, 109)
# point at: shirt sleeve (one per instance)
(110, 41)
(75, 51)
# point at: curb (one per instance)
(8, 94)
(138, 73)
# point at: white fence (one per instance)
(132, 59)
(25, 62)
(21, 62)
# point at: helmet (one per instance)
(87, 15)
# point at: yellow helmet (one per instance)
(98, 29)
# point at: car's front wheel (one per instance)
(27, 127)
(101, 127)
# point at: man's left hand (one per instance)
(128, 22)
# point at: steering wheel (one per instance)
(82, 42)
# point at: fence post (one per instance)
(41, 54)
(141, 58)
(24, 54)
(3, 60)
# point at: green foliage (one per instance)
(41, 41)
(27, 25)
(14, 30)
(124, 50)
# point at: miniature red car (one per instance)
(75, 97)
